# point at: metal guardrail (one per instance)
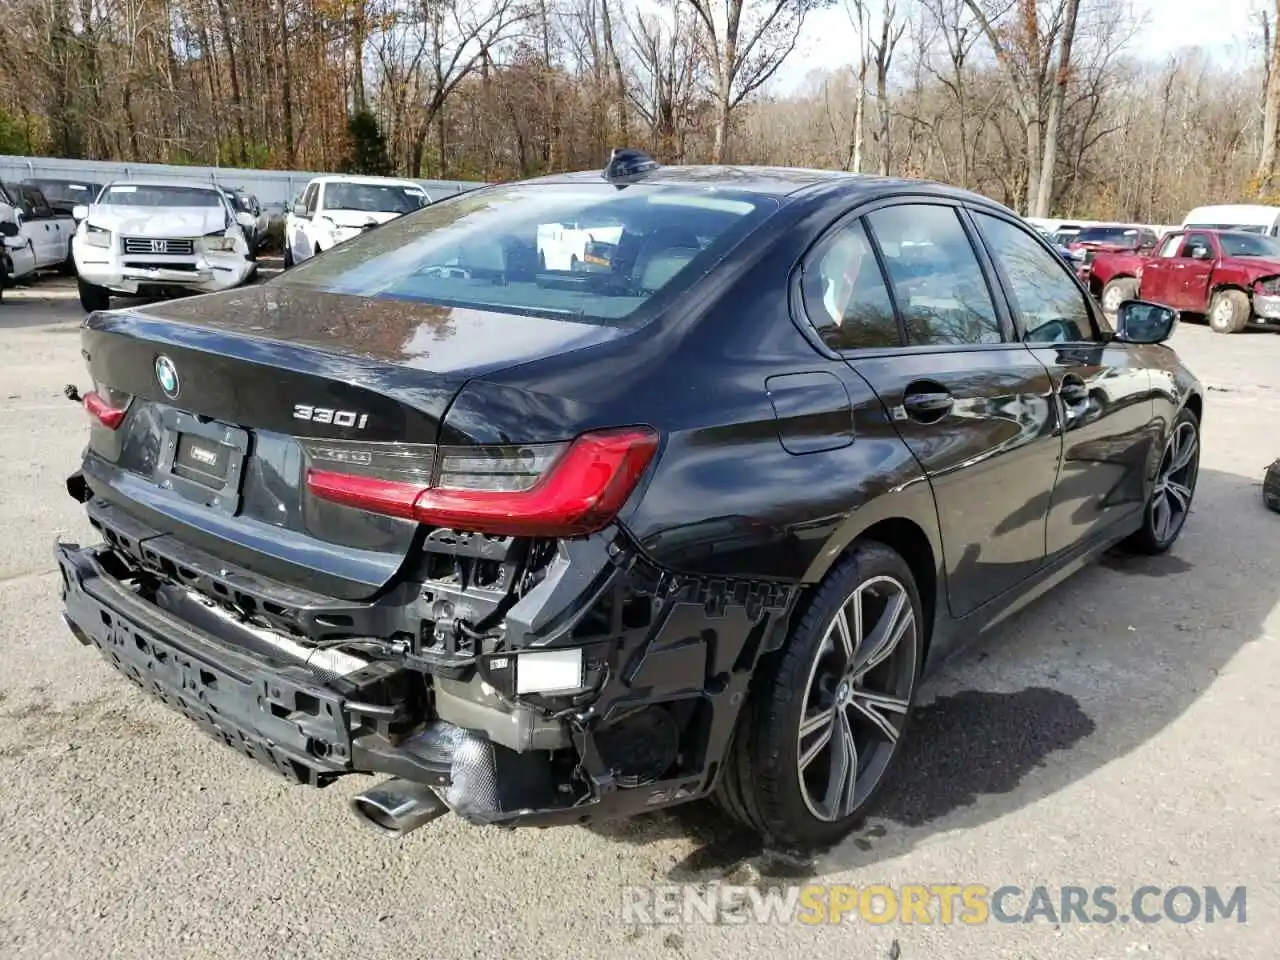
(273, 188)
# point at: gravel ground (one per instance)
(1121, 731)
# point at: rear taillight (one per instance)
(107, 406)
(535, 490)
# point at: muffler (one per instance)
(397, 806)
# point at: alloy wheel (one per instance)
(1111, 300)
(1224, 311)
(1175, 482)
(857, 698)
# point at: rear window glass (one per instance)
(66, 191)
(1120, 236)
(144, 195)
(373, 197)
(586, 251)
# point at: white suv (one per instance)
(155, 237)
(337, 208)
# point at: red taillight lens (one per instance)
(107, 406)
(539, 490)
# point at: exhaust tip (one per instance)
(395, 807)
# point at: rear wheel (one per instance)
(92, 296)
(1117, 291)
(824, 726)
(1175, 486)
(1229, 311)
(68, 266)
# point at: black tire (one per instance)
(92, 296)
(1271, 487)
(1117, 291)
(1155, 537)
(764, 783)
(288, 256)
(68, 266)
(1229, 311)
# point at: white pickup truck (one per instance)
(46, 231)
(564, 246)
(336, 208)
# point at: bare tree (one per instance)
(1025, 51)
(669, 70)
(1271, 108)
(745, 42)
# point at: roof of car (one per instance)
(770, 181)
(162, 182)
(355, 178)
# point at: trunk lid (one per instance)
(225, 391)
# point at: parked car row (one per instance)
(37, 233)
(1222, 263)
(157, 237)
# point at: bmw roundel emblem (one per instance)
(167, 376)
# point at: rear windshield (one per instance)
(1119, 236)
(373, 197)
(1248, 245)
(587, 251)
(142, 195)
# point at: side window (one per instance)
(937, 282)
(1171, 245)
(309, 199)
(39, 205)
(1197, 247)
(1051, 304)
(844, 292)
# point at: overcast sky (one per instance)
(1221, 27)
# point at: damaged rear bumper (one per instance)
(666, 692)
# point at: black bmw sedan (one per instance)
(584, 496)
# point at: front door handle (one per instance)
(928, 405)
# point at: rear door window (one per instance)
(937, 281)
(845, 296)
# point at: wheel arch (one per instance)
(1195, 403)
(1228, 285)
(919, 547)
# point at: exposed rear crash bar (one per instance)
(279, 713)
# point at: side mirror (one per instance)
(79, 212)
(1138, 321)
(9, 229)
(245, 219)
(299, 209)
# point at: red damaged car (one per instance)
(1112, 238)
(1230, 277)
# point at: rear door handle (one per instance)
(928, 405)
